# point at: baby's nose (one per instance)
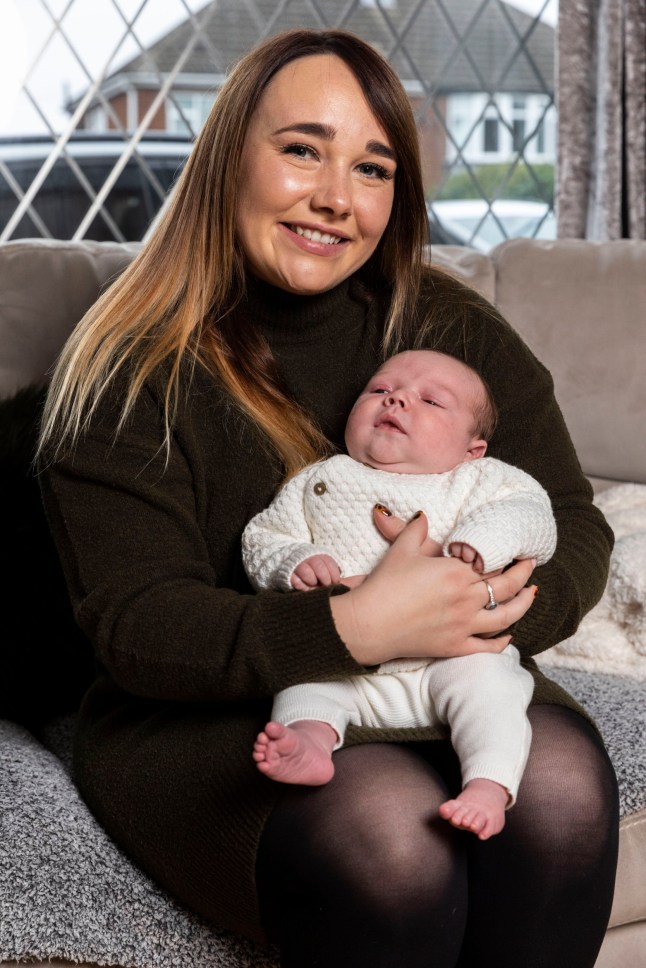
(396, 400)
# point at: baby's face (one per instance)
(415, 416)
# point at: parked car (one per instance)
(481, 225)
(62, 202)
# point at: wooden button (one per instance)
(320, 488)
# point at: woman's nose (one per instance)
(333, 193)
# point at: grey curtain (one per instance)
(601, 90)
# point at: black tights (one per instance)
(362, 873)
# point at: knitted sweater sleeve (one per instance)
(516, 521)
(278, 539)
(148, 544)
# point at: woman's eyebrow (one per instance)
(328, 133)
(377, 148)
(325, 131)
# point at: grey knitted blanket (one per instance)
(67, 892)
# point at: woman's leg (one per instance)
(540, 892)
(362, 873)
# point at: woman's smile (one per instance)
(320, 241)
(317, 178)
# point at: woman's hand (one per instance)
(416, 603)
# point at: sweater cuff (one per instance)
(301, 643)
(486, 544)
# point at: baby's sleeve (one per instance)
(515, 522)
(278, 539)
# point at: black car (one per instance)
(62, 201)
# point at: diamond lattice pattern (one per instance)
(479, 74)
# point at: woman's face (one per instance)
(316, 180)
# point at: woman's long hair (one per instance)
(174, 303)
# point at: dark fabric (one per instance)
(190, 659)
(363, 872)
(46, 664)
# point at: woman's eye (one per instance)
(372, 170)
(300, 151)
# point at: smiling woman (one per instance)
(225, 358)
(315, 208)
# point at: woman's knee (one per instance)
(569, 792)
(372, 837)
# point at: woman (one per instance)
(225, 358)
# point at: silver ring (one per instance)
(492, 603)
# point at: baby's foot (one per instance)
(480, 808)
(300, 753)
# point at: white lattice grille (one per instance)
(478, 72)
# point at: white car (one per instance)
(482, 225)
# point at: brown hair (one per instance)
(176, 299)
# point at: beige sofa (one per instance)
(65, 891)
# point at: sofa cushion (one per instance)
(46, 287)
(580, 307)
(467, 265)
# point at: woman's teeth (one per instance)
(315, 236)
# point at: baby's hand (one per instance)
(314, 572)
(464, 551)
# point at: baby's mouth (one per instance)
(390, 424)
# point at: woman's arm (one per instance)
(150, 549)
(531, 434)
(151, 555)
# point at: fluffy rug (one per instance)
(67, 892)
(612, 637)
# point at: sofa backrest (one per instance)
(581, 307)
(46, 286)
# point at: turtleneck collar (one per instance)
(282, 315)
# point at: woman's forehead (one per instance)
(320, 88)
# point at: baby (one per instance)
(416, 438)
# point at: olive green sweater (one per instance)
(188, 657)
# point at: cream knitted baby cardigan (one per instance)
(498, 509)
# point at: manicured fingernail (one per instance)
(535, 590)
(382, 509)
(418, 514)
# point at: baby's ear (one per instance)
(477, 448)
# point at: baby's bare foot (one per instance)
(300, 753)
(480, 808)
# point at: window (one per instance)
(479, 74)
(195, 107)
(490, 134)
